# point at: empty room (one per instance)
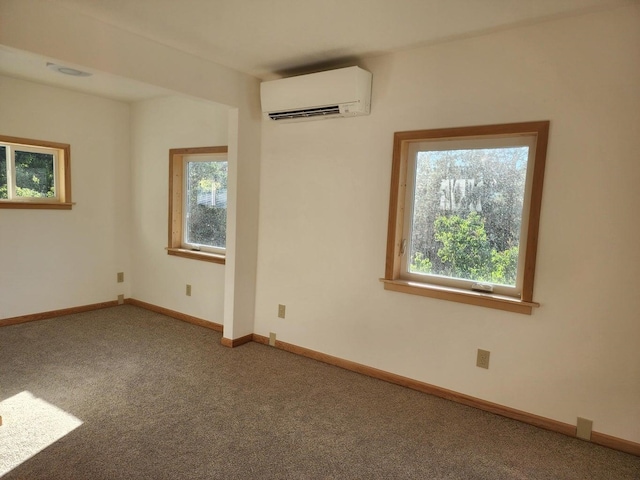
(317, 239)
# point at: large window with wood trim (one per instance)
(464, 213)
(34, 174)
(198, 203)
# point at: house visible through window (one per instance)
(198, 203)
(464, 213)
(206, 202)
(34, 174)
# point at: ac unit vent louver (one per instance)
(310, 112)
(345, 92)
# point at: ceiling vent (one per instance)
(345, 92)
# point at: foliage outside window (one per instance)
(34, 174)
(198, 203)
(464, 213)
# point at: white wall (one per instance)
(157, 126)
(54, 259)
(323, 222)
(79, 40)
(324, 197)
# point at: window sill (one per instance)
(37, 205)
(489, 300)
(197, 255)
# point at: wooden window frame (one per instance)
(176, 200)
(63, 176)
(394, 282)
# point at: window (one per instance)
(34, 174)
(198, 203)
(464, 214)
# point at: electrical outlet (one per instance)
(188, 292)
(281, 310)
(584, 428)
(482, 360)
(272, 339)
(120, 277)
(120, 299)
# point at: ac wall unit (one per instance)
(345, 92)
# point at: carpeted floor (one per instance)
(150, 397)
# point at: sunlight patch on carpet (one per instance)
(29, 425)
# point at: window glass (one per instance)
(198, 203)
(3, 173)
(464, 213)
(35, 174)
(206, 204)
(467, 213)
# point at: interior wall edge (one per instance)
(236, 342)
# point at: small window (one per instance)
(34, 174)
(198, 203)
(464, 212)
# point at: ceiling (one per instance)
(28, 66)
(274, 38)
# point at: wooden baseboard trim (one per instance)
(236, 342)
(601, 439)
(173, 314)
(508, 412)
(529, 418)
(616, 443)
(5, 322)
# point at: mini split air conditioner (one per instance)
(345, 92)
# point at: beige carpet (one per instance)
(124, 393)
